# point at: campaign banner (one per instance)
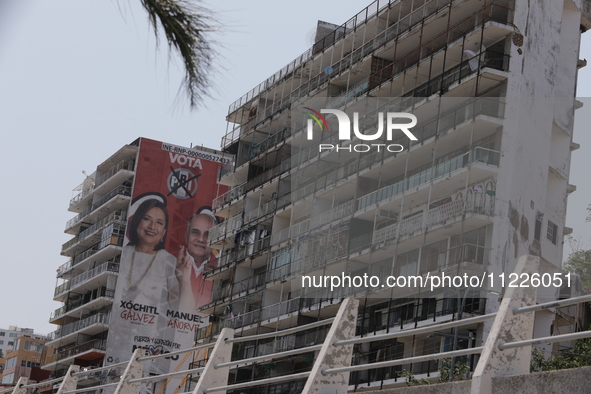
(165, 255)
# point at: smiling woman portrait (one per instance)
(149, 271)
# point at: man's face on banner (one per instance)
(198, 236)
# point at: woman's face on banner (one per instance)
(152, 228)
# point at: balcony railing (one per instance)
(269, 207)
(64, 287)
(110, 240)
(110, 266)
(439, 261)
(230, 195)
(432, 127)
(404, 22)
(85, 188)
(64, 268)
(434, 216)
(96, 344)
(78, 302)
(117, 216)
(114, 238)
(492, 12)
(249, 284)
(265, 313)
(226, 229)
(476, 155)
(99, 318)
(268, 175)
(122, 165)
(407, 315)
(119, 190)
(226, 169)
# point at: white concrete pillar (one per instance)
(22, 381)
(508, 327)
(221, 353)
(70, 382)
(331, 356)
(134, 370)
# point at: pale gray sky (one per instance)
(80, 78)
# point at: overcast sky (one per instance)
(81, 78)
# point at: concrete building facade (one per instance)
(136, 176)
(8, 337)
(486, 182)
(25, 359)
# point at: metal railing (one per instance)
(225, 229)
(111, 266)
(111, 239)
(404, 23)
(122, 165)
(86, 188)
(227, 197)
(119, 190)
(510, 333)
(79, 301)
(476, 155)
(99, 318)
(95, 344)
(117, 216)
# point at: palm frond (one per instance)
(186, 27)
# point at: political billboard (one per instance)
(165, 255)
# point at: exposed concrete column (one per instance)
(508, 327)
(70, 382)
(221, 353)
(134, 370)
(331, 356)
(22, 381)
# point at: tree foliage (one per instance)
(186, 27)
(461, 371)
(578, 356)
(579, 262)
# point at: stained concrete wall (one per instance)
(572, 381)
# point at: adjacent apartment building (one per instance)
(25, 357)
(8, 337)
(123, 277)
(493, 86)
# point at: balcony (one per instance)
(225, 229)
(229, 196)
(97, 299)
(86, 188)
(451, 258)
(407, 20)
(476, 155)
(268, 175)
(93, 233)
(269, 208)
(103, 247)
(89, 351)
(332, 216)
(437, 216)
(488, 18)
(118, 198)
(85, 277)
(325, 181)
(406, 313)
(264, 314)
(90, 325)
(232, 256)
(115, 175)
(248, 285)
(64, 270)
